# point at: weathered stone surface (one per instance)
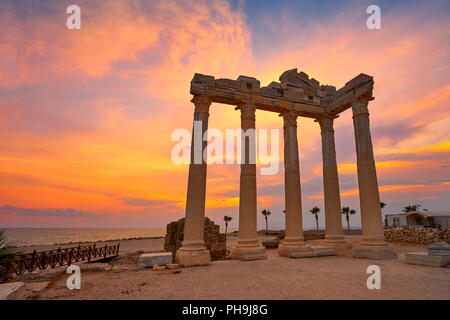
(424, 259)
(249, 83)
(439, 249)
(193, 258)
(99, 267)
(374, 252)
(173, 266)
(215, 241)
(272, 92)
(320, 251)
(159, 268)
(10, 291)
(150, 259)
(247, 254)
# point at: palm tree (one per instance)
(315, 211)
(411, 208)
(266, 213)
(347, 211)
(227, 219)
(7, 252)
(382, 205)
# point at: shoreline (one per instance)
(88, 241)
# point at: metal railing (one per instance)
(60, 257)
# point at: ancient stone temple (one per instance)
(295, 95)
(215, 242)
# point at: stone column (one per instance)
(293, 244)
(248, 247)
(333, 220)
(193, 251)
(373, 243)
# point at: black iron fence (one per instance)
(60, 257)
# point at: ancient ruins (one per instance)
(296, 95)
(215, 242)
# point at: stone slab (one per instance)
(191, 258)
(424, 259)
(159, 268)
(148, 260)
(248, 253)
(295, 251)
(439, 249)
(173, 266)
(342, 248)
(320, 251)
(95, 267)
(10, 291)
(382, 252)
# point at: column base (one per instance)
(334, 238)
(342, 248)
(380, 251)
(295, 249)
(248, 250)
(188, 257)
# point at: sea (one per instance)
(40, 236)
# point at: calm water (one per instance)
(35, 236)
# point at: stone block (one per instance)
(293, 94)
(193, 258)
(424, 259)
(212, 236)
(159, 268)
(148, 260)
(314, 83)
(249, 83)
(218, 251)
(271, 92)
(173, 266)
(380, 252)
(248, 253)
(228, 83)
(320, 251)
(342, 248)
(295, 251)
(95, 267)
(11, 291)
(439, 249)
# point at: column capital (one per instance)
(359, 107)
(202, 103)
(290, 118)
(326, 123)
(248, 110)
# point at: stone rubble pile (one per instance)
(215, 241)
(417, 235)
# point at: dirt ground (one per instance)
(333, 277)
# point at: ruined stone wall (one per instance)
(417, 235)
(215, 241)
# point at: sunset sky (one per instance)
(86, 115)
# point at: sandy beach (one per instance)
(333, 277)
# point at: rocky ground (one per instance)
(335, 277)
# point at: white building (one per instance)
(418, 219)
